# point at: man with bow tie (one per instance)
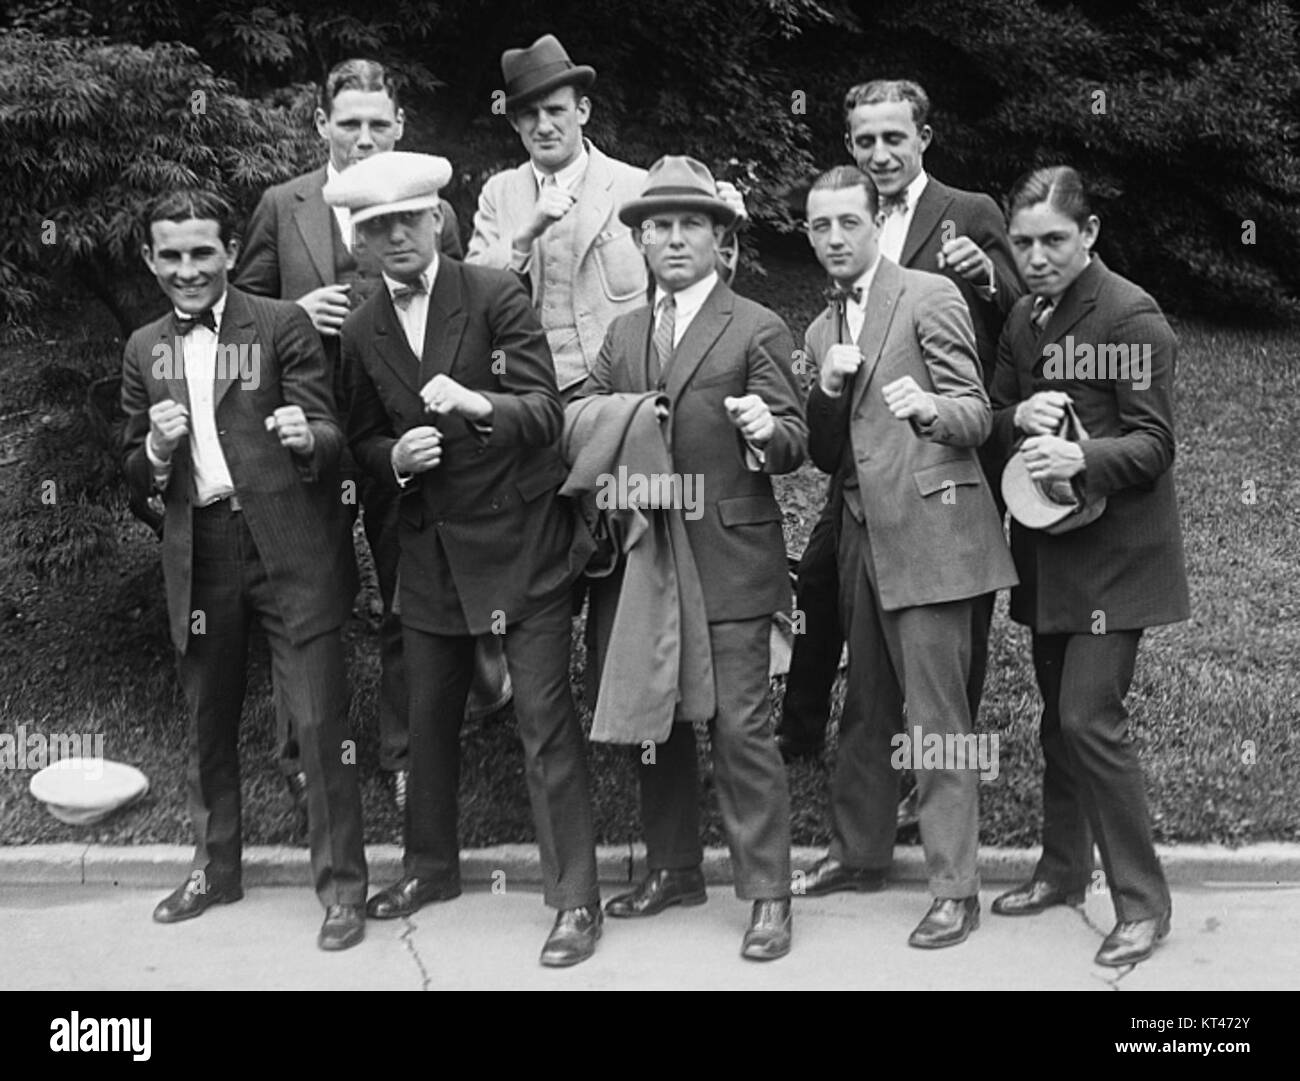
(895, 416)
(230, 418)
(453, 405)
(926, 225)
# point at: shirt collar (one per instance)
(218, 309)
(568, 176)
(915, 188)
(865, 279)
(691, 299)
(428, 276)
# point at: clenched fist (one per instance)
(840, 365)
(442, 395)
(907, 401)
(1041, 414)
(752, 418)
(169, 423)
(418, 451)
(289, 423)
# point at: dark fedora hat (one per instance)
(675, 182)
(537, 70)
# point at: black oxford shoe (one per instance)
(573, 938)
(949, 921)
(1132, 942)
(193, 899)
(771, 928)
(344, 926)
(1032, 897)
(659, 890)
(407, 896)
(830, 876)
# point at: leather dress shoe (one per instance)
(949, 921)
(659, 890)
(1032, 897)
(1132, 941)
(194, 898)
(407, 896)
(771, 927)
(828, 875)
(574, 936)
(344, 926)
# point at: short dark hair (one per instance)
(357, 74)
(190, 203)
(880, 90)
(1059, 186)
(847, 176)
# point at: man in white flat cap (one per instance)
(452, 401)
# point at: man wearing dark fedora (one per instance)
(554, 219)
(732, 419)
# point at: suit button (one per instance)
(222, 432)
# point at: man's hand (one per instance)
(1049, 458)
(169, 423)
(907, 401)
(752, 418)
(418, 451)
(1042, 414)
(442, 395)
(289, 423)
(327, 306)
(967, 258)
(730, 194)
(840, 366)
(552, 204)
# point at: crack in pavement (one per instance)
(409, 942)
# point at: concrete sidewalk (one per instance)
(65, 925)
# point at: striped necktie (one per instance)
(1043, 308)
(663, 339)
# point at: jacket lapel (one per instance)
(882, 302)
(1079, 299)
(446, 322)
(930, 209)
(177, 389)
(238, 331)
(596, 204)
(640, 328)
(708, 324)
(313, 219)
(390, 342)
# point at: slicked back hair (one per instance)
(1059, 186)
(182, 205)
(357, 74)
(847, 176)
(879, 90)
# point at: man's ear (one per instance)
(1091, 230)
(583, 110)
(399, 126)
(232, 252)
(848, 145)
(322, 124)
(926, 134)
(146, 253)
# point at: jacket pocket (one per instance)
(748, 510)
(957, 472)
(619, 266)
(539, 481)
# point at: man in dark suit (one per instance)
(453, 404)
(733, 419)
(231, 419)
(1088, 593)
(299, 249)
(896, 415)
(926, 226)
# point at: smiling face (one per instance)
(680, 246)
(842, 231)
(190, 262)
(1050, 249)
(551, 127)
(887, 145)
(405, 242)
(360, 123)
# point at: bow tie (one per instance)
(183, 324)
(403, 294)
(894, 204)
(836, 295)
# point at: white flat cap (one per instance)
(81, 791)
(389, 183)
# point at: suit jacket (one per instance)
(292, 506)
(1128, 563)
(977, 216)
(483, 535)
(935, 535)
(732, 347)
(611, 275)
(289, 242)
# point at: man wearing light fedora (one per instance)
(733, 418)
(554, 219)
(453, 405)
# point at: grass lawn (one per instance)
(93, 655)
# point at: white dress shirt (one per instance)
(342, 214)
(207, 460)
(415, 316)
(855, 311)
(689, 301)
(893, 231)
